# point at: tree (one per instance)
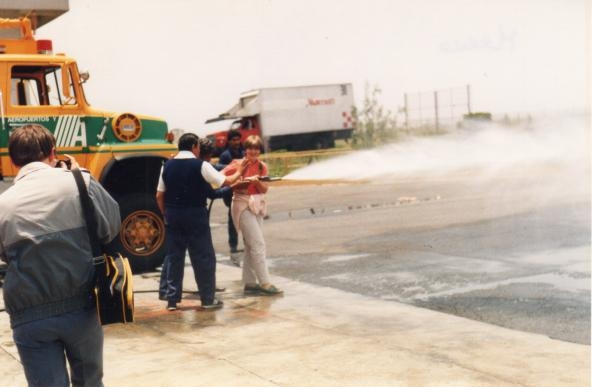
(374, 124)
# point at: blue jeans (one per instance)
(44, 345)
(162, 286)
(188, 229)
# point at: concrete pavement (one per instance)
(315, 336)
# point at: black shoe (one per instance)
(171, 305)
(252, 289)
(271, 290)
(217, 304)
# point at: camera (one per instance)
(66, 164)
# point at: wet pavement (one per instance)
(316, 336)
(511, 249)
(414, 281)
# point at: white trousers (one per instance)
(255, 264)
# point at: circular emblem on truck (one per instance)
(127, 127)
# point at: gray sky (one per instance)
(187, 61)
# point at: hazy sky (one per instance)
(188, 60)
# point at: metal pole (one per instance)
(436, 109)
(469, 98)
(419, 105)
(406, 112)
(451, 106)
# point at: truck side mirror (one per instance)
(84, 76)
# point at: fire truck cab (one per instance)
(123, 151)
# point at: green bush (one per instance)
(478, 116)
(374, 124)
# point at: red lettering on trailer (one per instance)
(317, 102)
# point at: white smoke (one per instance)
(490, 148)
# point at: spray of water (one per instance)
(488, 148)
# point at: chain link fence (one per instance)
(436, 110)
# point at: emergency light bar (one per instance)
(45, 47)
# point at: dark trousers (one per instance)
(45, 345)
(188, 229)
(232, 234)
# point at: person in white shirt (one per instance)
(181, 195)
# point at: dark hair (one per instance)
(206, 147)
(232, 133)
(28, 143)
(188, 141)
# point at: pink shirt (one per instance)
(258, 168)
(242, 194)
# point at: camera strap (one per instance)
(89, 214)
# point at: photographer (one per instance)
(47, 289)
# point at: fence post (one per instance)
(436, 110)
(469, 99)
(420, 116)
(406, 112)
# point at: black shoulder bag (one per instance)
(113, 288)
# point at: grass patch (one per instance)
(282, 163)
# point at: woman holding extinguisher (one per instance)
(248, 210)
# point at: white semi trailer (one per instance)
(292, 118)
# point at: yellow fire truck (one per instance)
(123, 151)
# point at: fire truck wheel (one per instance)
(142, 233)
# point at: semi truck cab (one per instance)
(247, 126)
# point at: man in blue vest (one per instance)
(182, 192)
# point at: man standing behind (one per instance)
(183, 188)
(234, 150)
(47, 289)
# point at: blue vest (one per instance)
(185, 185)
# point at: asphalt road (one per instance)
(510, 248)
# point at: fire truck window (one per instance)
(24, 92)
(39, 85)
(53, 82)
(26, 86)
